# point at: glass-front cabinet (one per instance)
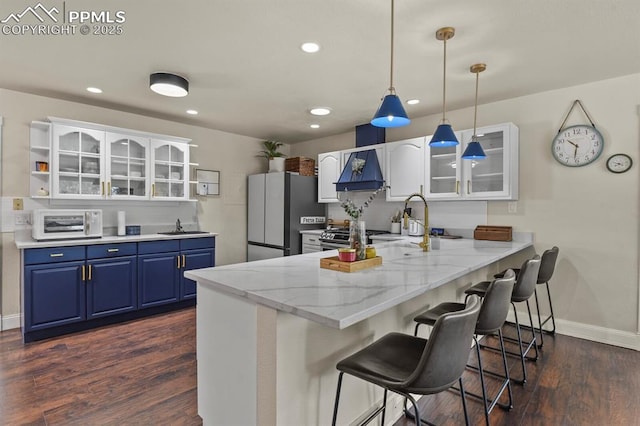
(127, 166)
(78, 161)
(169, 170)
(492, 178)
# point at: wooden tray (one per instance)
(336, 264)
(492, 233)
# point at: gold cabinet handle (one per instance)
(56, 255)
(109, 189)
(153, 189)
(83, 274)
(421, 189)
(468, 187)
(178, 262)
(457, 187)
(184, 260)
(101, 188)
(89, 267)
(113, 250)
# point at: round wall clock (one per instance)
(576, 146)
(619, 163)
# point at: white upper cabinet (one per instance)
(329, 168)
(127, 166)
(96, 162)
(443, 171)
(404, 165)
(494, 178)
(169, 170)
(78, 163)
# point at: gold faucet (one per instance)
(425, 238)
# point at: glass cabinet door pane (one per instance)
(89, 144)
(487, 174)
(69, 142)
(177, 189)
(69, 185)
(162, 153)
(90, 185)
(443, 165)
(177, 155)
(69, 163)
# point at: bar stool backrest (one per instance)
(548, 264)
(495, 304)
(527, 279)
(445, 355)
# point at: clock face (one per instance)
(577, 145)
(619, 163)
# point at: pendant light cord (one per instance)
(444, 82)
(475, 111)
(391, 88)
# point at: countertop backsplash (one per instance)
(152, 216)
(442, 214)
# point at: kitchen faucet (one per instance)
(178, 226)
(425, 238)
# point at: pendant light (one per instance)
(474, 150)
(444, 135)
(391, 113)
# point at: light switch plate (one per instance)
(512, 207)
(18, 204)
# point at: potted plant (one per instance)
(275, 157)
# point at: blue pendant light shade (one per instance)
(444, 135)
(391, 112)
(474, 150)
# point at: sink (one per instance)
(182, 232)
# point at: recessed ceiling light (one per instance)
(320, 111)
(94, 90)
(192, 112)
(413, 101)
(310, 47)
(315, 126)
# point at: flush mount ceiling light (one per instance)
(474, 149)
(314, 126)
(444, 135)
(169, 84)
(94, 90)
(391, 113)
(320, 111)
(310, 47)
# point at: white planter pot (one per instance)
(276, 164)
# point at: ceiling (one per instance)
(249, 76)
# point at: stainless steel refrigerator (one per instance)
(279, 206)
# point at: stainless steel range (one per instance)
(336, 238)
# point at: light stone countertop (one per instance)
(24, 240)
(297, 284)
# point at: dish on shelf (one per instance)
(68, 169)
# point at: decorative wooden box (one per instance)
(492, 233)
(302, 165)
(336, 264)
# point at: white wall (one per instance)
(588, 212)
(233, 155)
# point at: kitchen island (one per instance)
(269, 333)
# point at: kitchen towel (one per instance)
(121, 223)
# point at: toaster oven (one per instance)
(66, 224)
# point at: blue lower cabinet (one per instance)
(194, 259)
(54, 295)
(111, 286)
(158, 273)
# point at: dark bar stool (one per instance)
(493, 313)
(406, 364)
(522, 291)
(547, 267)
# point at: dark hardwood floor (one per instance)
(144, 373)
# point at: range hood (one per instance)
(362, 171)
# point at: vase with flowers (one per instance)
(357, 228)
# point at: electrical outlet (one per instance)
(22, 219)
(18, 204)
(512, 207)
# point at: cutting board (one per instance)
(336, 264)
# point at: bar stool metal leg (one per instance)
(335, 406)
(506, 372)
(552, 316)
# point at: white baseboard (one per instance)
(608, 336)
(7, 322)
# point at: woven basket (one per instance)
(301, 165)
